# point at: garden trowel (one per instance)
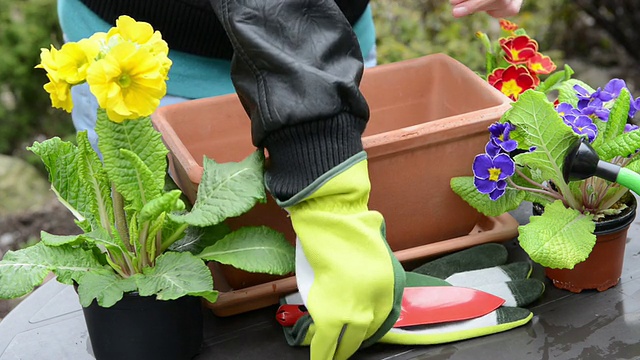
(583, 162)
(423, 305)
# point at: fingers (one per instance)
(495, 8)
(337, 343)
(352, 337)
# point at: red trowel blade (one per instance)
(438, 304)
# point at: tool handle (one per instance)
(630, 179)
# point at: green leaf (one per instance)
(618, 116)
(139, 137)
(554, 80)
(167, 202)
(226, 190)
(464, 187)
(567, 94)
(61, 160)
(106, 287)
(57, 240)
(634, 165)
(176, 275)
(101, 237)
(22, 270)
(138, 186)
(538, 122)
(254, 249)
(559, 238)
(95, 178)
(152, 241)
(197, 238)
(622, 145)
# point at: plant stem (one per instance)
(158, 245)
(543, 191)
(144, 256)
(120, 217)
(177, 235)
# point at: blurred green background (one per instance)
(597, 38)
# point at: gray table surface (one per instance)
(591, 325)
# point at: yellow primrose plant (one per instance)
(137, 234)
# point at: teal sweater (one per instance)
(190, 76)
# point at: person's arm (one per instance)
(495, 8)
(296, 68)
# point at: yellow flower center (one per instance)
(536, 67)
(511, 88)
(515, 54)
(124, 80)
(494, 174)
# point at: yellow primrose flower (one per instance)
(47, 61)
(59, 93)
(142, 33)
(128, 82)
(73, 60)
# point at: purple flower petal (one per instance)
(496, 194)
(492, 149)
(505, 164)
(481, 165)
(484, 186)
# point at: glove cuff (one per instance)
(300, 154)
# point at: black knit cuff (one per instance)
(300, 154)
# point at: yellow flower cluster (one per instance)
(126, 69)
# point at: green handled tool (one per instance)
(582, 161)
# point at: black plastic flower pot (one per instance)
(141, 327)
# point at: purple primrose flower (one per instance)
(582, 125)
(500, 136)
(567, 109)
(490, 174)
(610, 91)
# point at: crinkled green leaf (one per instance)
(464, 187)
(152, 241)
(537, 121)
(634, 165)
(226, 190)
(139, 186)
(101, 237)
(167, 202)
(559, 238)
(22, 270)
(555, 80)
(57, 240)
(536, 117)
(93, 175)
(106, 287)
(617, 117)
(176, 275)
(567, 94)
(622, 145)
(254, 249)
(197, 238)
(61, 160)
(139, 137)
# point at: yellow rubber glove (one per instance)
(483, 267)
(349, 279)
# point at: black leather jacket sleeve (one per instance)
(297, 67)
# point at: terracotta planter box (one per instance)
(429, 118)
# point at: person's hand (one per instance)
(482, 268)
(495, 8)
(350, 281)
